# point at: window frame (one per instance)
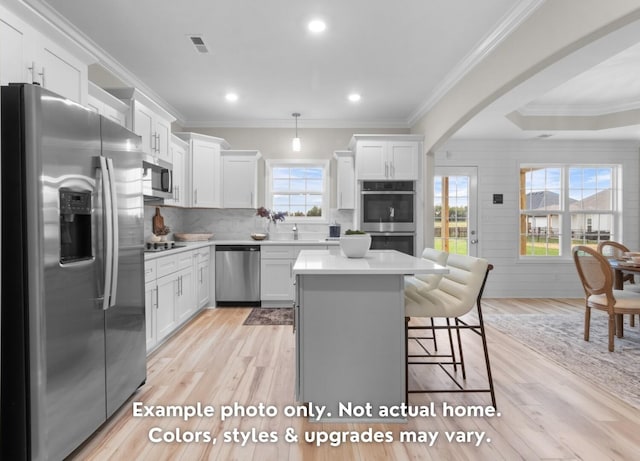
(565, 212)
(270, 164)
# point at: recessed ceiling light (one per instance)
(354, 97)
(231, 97)
(316, 26)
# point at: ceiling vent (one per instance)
(198, 43)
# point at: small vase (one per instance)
(267, 227)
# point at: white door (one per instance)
(455, 208)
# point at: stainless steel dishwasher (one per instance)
(237, 275)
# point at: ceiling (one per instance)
(399, 56)
(395, 54)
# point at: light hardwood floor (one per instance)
(546, 412)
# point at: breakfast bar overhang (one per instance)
(349, 324)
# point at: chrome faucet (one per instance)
(295, 231)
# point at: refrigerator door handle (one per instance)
(115, 238)
(108, 231)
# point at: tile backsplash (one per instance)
(235, 223)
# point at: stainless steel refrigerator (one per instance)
(73, 322)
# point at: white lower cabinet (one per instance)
(174, 292)
(165, 312)
(276, 273)
(150, 306)
(185, 300)
(276, 282)
(201, 273)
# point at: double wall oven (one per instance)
(388, 214)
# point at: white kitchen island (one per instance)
(349, 323)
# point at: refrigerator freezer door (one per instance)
(125, 319)
(66, 324)
(73, 393)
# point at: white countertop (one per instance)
(188, 246)
(328, 262)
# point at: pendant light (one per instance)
(295, 144)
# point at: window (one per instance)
(563, 206)
(451, 211)
(298, 188)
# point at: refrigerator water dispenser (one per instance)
(75, 226)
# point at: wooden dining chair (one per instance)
(597, 280)
(613, 249)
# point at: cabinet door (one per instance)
(95, 104)
(178, 153)
(16, 50)
(166, 305)
(205, 174)
(403, 160)
(150, 306)
(60, 72)
(114, 115)
(239, 182)
(346, 183)
(143, 127)
(163, 139)
(276, 280)
(203, 283)
(371, 160)
(186, 300)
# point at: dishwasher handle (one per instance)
(237, 247)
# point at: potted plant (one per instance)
(355, 243)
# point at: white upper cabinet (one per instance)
(58, 70)
(205, 174)
(345, 180)
(30, 56)
(179, 150)
(240, 178)
(203, 170)
(148, 120)
(107, 105)
(16, 49)
(371, 160)
(387, 157)
(403, 160)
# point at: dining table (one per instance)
(619, 268)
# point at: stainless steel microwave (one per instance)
(157, 179)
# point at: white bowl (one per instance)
(355, 245)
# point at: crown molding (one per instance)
(577, 110)
(516, 16)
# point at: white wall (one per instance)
(498, 164)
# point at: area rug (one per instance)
(560, 338)
(270, 316)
